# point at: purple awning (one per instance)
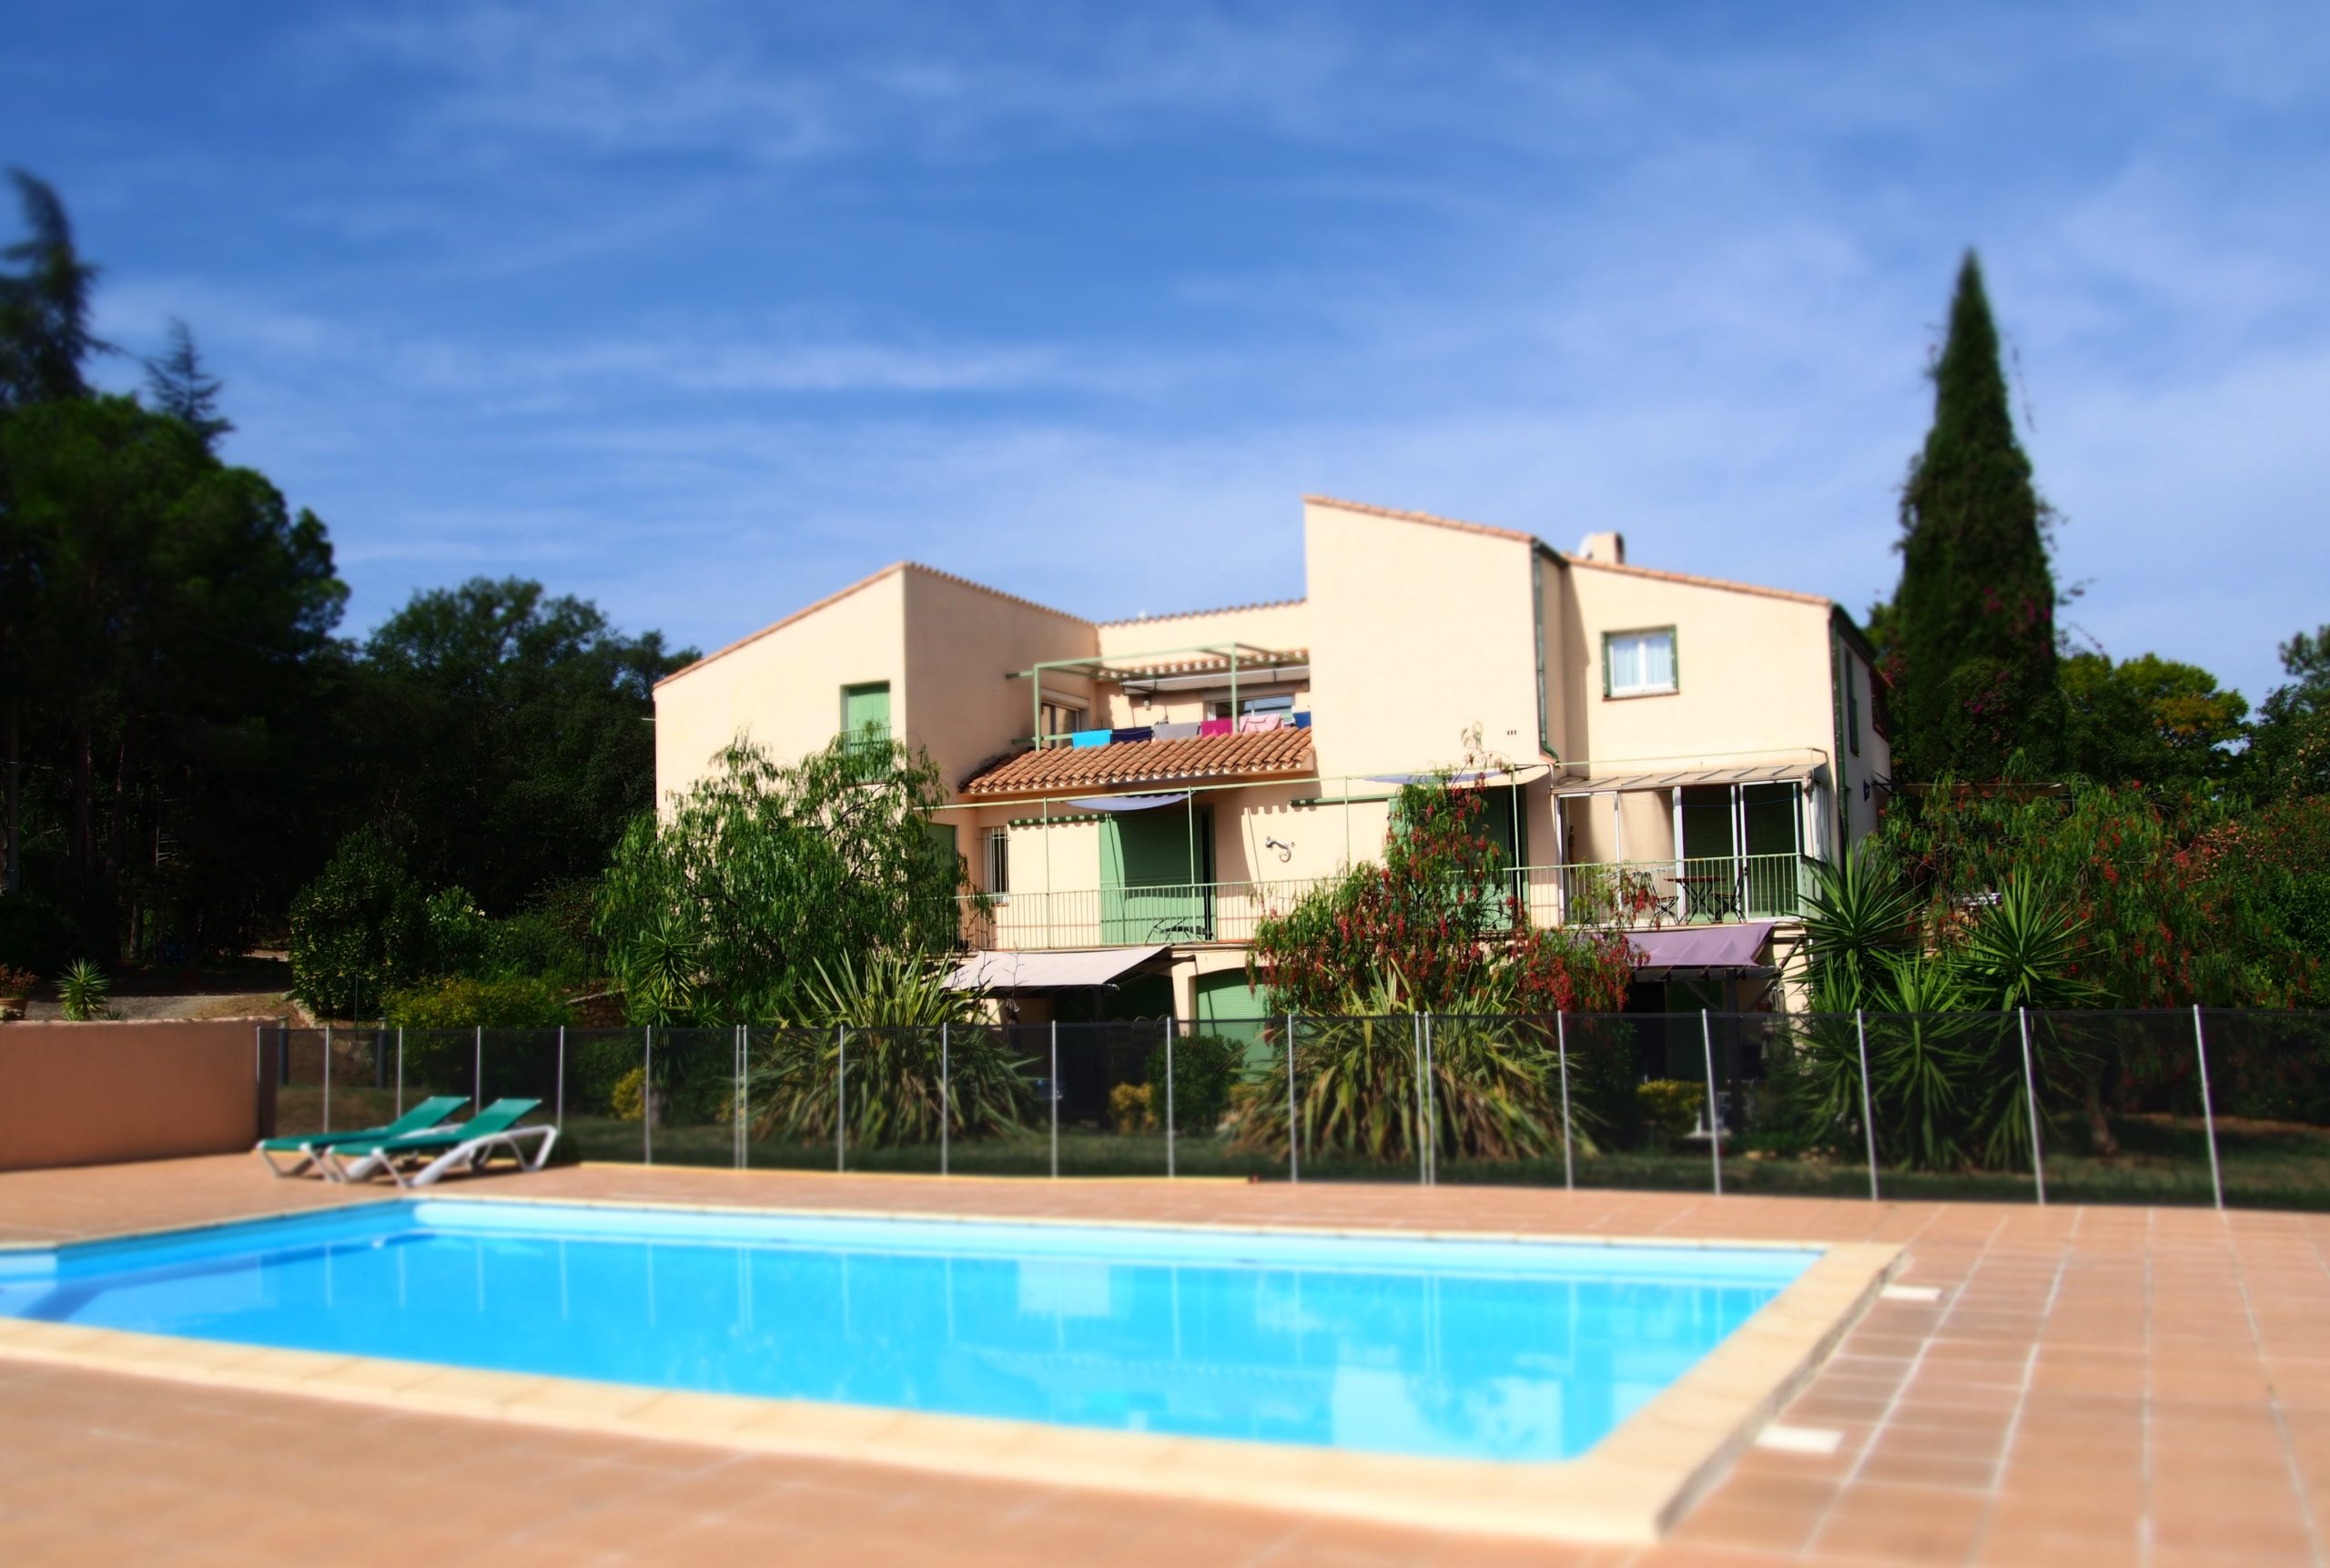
(1692, 951)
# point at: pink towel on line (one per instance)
(1214, 727)
(1258, 724)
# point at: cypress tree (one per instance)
(1976, 603)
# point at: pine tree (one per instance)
(1976, 603)
(181, 389)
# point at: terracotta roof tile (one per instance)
(1272, 752)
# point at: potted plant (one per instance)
(16, 986)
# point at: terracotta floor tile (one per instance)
(2164, 1371)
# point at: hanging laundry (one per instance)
(1261, 723)
(1119, 737)
(1088, 738)
(1173, 732)
(1215, 727)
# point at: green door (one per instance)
(1770, 810)
(1156, 871)
(865, 711)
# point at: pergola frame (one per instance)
(1124, 671)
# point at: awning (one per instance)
(1702, 952)
(1083, 967)
(1456, 781)
(1679, 778)
(1128, 801)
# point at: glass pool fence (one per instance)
(2188, 1107)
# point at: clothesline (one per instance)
(1250, 724)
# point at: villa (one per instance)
(1132, 796)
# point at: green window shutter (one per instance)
(867, 707)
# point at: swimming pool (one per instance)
(1501, 1350)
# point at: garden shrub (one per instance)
(1205, 1067)
(1670, 1109)
(1130, 1108)
(458, 1001)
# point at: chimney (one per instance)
(1607, 548)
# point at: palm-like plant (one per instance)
(660, 970)
(82, 992)
(869, 1040)
(1857, 914)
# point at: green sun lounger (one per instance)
(420, 1119)
(491, 1132)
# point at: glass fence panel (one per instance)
(606, 1074)
(895, 1097)
(1111, 1115)
(298, 1056)
(522, 1063)
(691, 1103)
(434, 1064)
(789, 1101)
(1359, 1090)
(2122, 1120)
(1952, 1119)
(359, 1091)
(2269, 1096)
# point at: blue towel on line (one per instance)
(1088, 738)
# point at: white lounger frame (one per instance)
(469, 1156)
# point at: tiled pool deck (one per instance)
(2094, 1386)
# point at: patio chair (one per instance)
(420, 1119)
(491, 1132)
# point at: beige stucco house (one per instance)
(1132, 795)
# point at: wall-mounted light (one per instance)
(1285, 851)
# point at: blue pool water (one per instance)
(1477, 1349)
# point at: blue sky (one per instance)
(702, 311)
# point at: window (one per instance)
(1637, 663)
(1270, 703)
(1061, 718)
(999, 861)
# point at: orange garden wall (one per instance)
(95, 1094)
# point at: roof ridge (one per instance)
(1219, 610)
(961, 581)
(835, 597)
(1693, 579)
(1430, 519)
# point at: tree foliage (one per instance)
(1438, 924)
(1976, 604)
(767, 872)
(360, 929)
(507, 730)
(183, 389)
(2148, 721)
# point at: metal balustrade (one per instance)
(1633, 894)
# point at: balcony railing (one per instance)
(1638, 893)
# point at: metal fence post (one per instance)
(327, 1126)
(1173, 1028)
(1561, 1055)
(841, 1098)
(744, 1096)
(1867, 1114)
(946, 1099)
(400, 1068)
(1052, 1090)
(477, 1079)
(1415, 1052)
(736, 1095)
(647, 1094)
(1431, 1112)
(558, 1112)
(2208, 1107)
(2031, 1104)
(1715, 1109)
(1293, 1112)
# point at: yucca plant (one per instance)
(1495, 1091)
(868, 1037)
(83, 992)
